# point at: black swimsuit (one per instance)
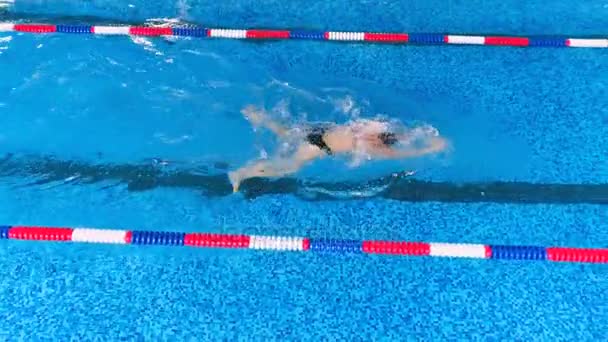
(315, 134)
(315, 137)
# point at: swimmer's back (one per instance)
(341, 139)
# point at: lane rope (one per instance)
(368, 37)
(303, 244)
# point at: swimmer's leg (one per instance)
(277, 167)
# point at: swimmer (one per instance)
(374, 137)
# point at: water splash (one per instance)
(147, 44)
(4, 43)
(366, 190)
(4, 4)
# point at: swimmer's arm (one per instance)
(436, 144)
(275, 127)
(258, 117)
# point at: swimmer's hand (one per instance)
(437, 144)
(254, 115)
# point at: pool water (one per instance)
(139, 134)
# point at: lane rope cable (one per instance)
(367, 37)
(303, 244)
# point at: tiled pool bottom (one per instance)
(152, 293)
(148, 293)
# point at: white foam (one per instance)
(6, 3)
(146, 44)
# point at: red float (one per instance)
(40, 233)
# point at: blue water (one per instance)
(527, 115)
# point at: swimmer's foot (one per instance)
(235, 180)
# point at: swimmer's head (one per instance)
(388, 138)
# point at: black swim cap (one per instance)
(388, 138)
